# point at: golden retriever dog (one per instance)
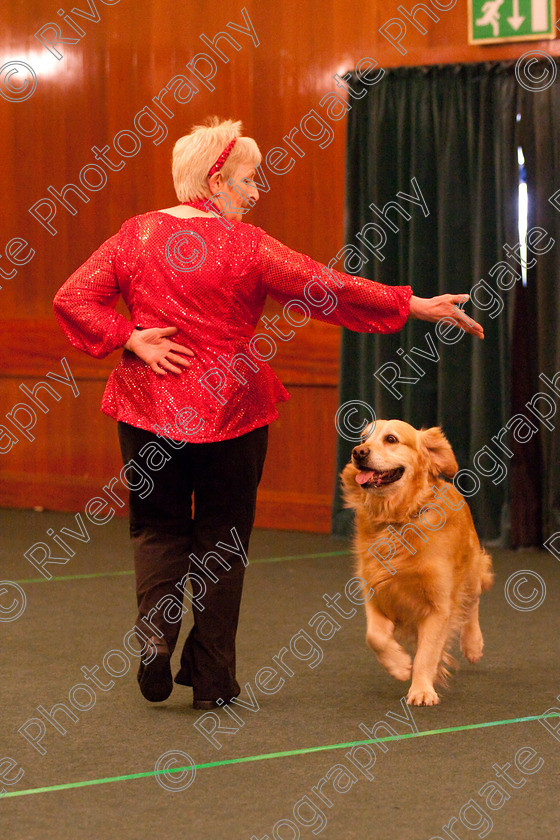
(417, 548)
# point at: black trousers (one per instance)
(170, 540)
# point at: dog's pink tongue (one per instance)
(364, 476)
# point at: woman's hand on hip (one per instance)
(446, 307)
(155, 348)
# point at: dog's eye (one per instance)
(391, 439)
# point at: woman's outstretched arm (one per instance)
(351, 301)
(446, 307)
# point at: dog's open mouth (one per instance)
(378, 478)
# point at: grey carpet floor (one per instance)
(96, 778)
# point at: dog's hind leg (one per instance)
(471, 634)
(432, 636)
(380, 638)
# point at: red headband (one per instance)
(222, 159)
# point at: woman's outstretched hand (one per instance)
(447, 307)
(154, 347)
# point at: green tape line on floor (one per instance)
(266, 756)
(131, 572)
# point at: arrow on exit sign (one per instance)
(516, 19)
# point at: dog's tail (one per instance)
(446, 666)
(486, 572)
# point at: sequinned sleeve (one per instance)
(85, 305)
(357, 303)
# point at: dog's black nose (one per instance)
(360, 452)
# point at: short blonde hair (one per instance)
(196, 153)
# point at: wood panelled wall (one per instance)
(93, 92)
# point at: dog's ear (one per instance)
(440, 453)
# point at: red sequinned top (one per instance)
(209, 277)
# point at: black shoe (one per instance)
(205, 704)
(211, 704)
(154, 678)
(183, 677)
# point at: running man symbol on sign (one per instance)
(491, 15)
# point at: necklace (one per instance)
(205, 204)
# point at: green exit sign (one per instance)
(493, 21)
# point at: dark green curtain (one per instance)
(453, 129)
(536, 498)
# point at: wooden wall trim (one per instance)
(286, 510)
(291, 511)
(30, 347)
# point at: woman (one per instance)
(198, 273)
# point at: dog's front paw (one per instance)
(471, 646)
(401, 670)
(422, 697)
(396, 661)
